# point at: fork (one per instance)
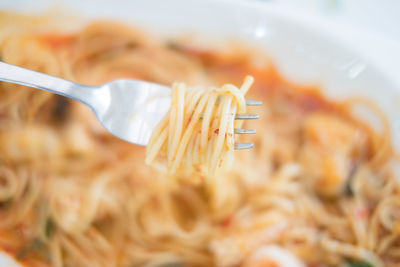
(129, 109)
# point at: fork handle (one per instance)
(14, 74)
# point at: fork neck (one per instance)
(88, 95)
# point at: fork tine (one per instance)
(246, 116)
(250, 102)
(243, 146)
(244, 131)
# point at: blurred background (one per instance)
(380, 17)
(372, 26)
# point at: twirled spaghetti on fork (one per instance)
(198, 132)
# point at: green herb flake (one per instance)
(50, 227)
(6, 203)
(359, 264)
(35, 246)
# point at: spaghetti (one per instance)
(319, 187)
(199, 129)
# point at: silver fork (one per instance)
(129, 109)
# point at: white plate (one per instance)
(306, 50)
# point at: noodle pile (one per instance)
(198, 132)
(319, 184)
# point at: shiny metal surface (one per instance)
(129, 109)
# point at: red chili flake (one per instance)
(220, 163)
(227, 221)
(202, 178)
(216, 131)
(8, 249)
(272, 263)
(56, 41)
(361, 213)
